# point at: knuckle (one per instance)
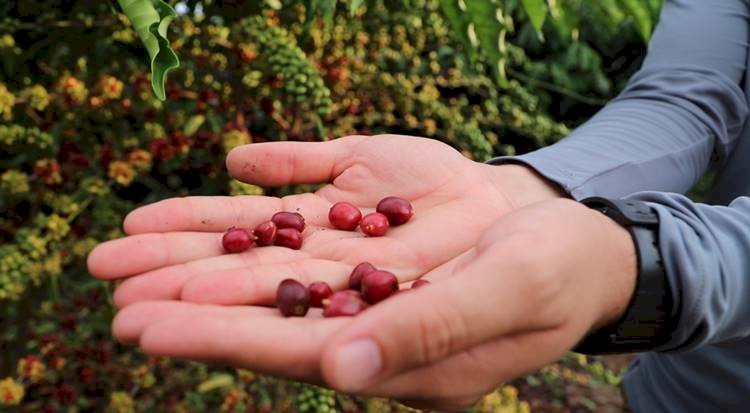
(440, 333)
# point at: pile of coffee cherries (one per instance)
(367, 284)
(283, 230)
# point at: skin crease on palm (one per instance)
(180, 293)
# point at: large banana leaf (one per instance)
(151, 18)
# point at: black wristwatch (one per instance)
(646, 323)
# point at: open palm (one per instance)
(173, 248)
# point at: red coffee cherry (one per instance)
(292, 298)
(266, 233)
(289, 220)
(288, 237)
(319, 291)
(378, 285)
(344, 303)
(355, 278)
(398, 210)
(374, 224)
(237, 240)
(344, 216)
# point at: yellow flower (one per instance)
(58, 226)
(510, 392)
(233, 397)
(82, 247)
(121, 402)
(14, 182)
(140, 160)
(235, 138)
(246, 376)
(7, 41)
(111, 87)
(121, 172)
(36, 97)
(49, 170)
(240, 188)
(143, 376)
(11, 392)
(53, 265)
(75, 90)
(154, 130)
(7, 100)
(31, 368)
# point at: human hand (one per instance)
(535, 283)
(173, 250)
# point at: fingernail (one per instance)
(356, 363)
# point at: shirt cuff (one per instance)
(547, 168)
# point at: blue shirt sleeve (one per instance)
(706, 254)
(683, 109)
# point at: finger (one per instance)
(129, 323)
(257, 284)
(460, 380)
(284, 163)
(144, 252)
(288, 347)
(216, 214)
(433, 322)
(166, 283)
(201, 213)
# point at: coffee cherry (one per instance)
(266, 233)
(237, 240)
(378, 285)
(374, 224)
(319, 291)
(344, 303)
(398, 210)
(289, 220)
(288, 237)
(419, 283)
(344, 216)
(292, 298)
(355, 278)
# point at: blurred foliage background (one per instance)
(83, 141)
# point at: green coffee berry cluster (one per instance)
(19, 138)
(14, 182)
(316, 400)
(14, 270)
(277, 47)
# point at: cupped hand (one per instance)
(535, 282)
(173, 248)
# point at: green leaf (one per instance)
(481, 27)
(274, 4)
(151, 18)
(354, 5)
(537, 12)
(459, 24)
(193, 124)
(640, 12)
(216, 381)
(489, 26)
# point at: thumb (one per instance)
(428, 324)
(284, 163)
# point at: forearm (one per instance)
(681, 111)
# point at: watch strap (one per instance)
(644, 325)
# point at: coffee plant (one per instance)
(85, 137)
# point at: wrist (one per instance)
(522, 185)
(640, 282)
(620, 270)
